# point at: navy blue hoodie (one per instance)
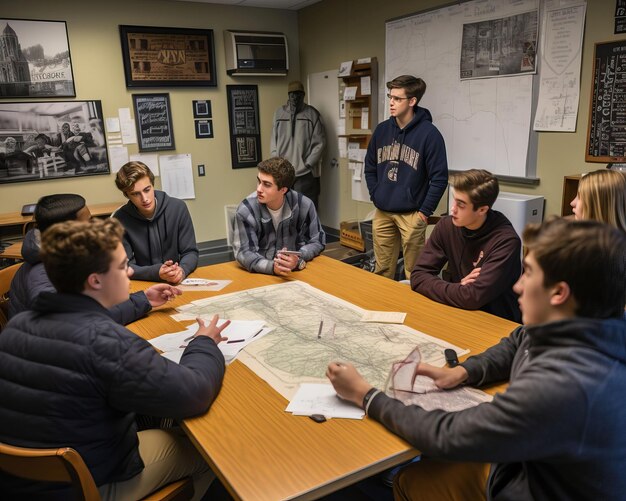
(406, 169)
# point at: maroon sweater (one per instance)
(494, 247)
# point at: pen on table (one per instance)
(242, 340)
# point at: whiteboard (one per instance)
(486, 123)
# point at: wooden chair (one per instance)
(6, 275)
(66, 466)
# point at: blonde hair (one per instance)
(602, 197)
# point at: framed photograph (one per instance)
(243, 120)
(35, 59)
(157, 57)
(51, 140)
(153, 117)
(202, 109)
(204, 129)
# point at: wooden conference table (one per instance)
(261, 452)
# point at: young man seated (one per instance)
(274, 219)
(557, 431)
(72, 377)
(159, 238)
(481, 248)
(31, 279)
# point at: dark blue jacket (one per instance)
(407, 169)
(71, 376)
(31, 280)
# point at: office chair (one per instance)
(6, 275)
(66, 466)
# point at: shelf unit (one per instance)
(354, 111)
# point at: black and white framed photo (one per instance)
(35, 59)
(51, 140)
(202, 109)
(153, 117)
(204, 129)
(243, 120)
(172, 57)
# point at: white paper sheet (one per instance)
(177, 176)
(127, 126)
(349, 93)
(112, 124)
(322, 399)
(366, 86)
(365, 118)
(385, 317)
(118, 156)
(345, 68)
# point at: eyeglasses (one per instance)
(396, 99)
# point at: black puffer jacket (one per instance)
(71, 376)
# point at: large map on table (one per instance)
(298, 349)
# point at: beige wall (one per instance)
(99, 74)
(338, 30)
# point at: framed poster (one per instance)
(204, 129)
(606, 133)
(153, 118)
(51, 140)
(35, 59)
(157, 57)
(202, 109)
(243, 120)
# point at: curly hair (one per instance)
(73, 250)
(130, 173)
(280, 169)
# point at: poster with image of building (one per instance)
(35, 59)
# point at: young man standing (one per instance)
(557, 431)
(481, 248)
(275, 219)
(31, 279)
(72, 377)
(159, 239)
(406, 172)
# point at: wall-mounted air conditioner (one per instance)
(250, 53)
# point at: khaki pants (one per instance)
(168, 456)
(392, 230)
(430, 479)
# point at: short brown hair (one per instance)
(73, 250)
(602, 197)
(481, 186)
(280, 169)
(413, 87)
(589, 256)
(130, 173)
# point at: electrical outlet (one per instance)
(201, 170)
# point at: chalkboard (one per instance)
(153, 118)
(245, 132)
(606, 137)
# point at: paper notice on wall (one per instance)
(112, 124)
(127, 126)
(342, 109)
(343, 147)
(341, 127)
(349, 93)
(177, 176)
(356, 169)
(366, 86)
(118, 156)
(151, 160)
(365, 118)
(345, 68)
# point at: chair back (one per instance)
(6, 276)
(65, 465)
(62, 465)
